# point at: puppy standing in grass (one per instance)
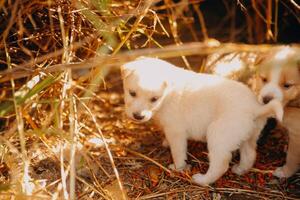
(280, 79)
(187, 105)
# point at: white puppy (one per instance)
(203, 107)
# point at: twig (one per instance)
(202, 22)
(107, 149)
(65, 59)
(295, 4)
(73, 117)
(276, 21)
(173, 15)
(253, 2)
(149, 159)
(135, 25)
(26, 185)
(11, 21)
(92, 187)
(269, 34)
(195, 48)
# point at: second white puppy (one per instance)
(187, 105)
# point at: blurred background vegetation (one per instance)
(60, 87)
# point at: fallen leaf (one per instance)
(154, 173)
(115, 192)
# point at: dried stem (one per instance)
(107, 150)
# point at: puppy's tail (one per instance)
(273, 108)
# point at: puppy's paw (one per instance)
(237, 169)
(185, 167)
(200, 179)
(172, 166)
(165, 143)
(281, 172)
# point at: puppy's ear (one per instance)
(126, 70)
(165, 84)
(262, 57)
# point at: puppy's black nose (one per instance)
(267, 99)
(138, 116)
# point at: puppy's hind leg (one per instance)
(248, 151)
(165, 143)
(218, 165)
(247, 157)
(219, 151)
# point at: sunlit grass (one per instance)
(57, 56)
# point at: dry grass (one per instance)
(63, 130)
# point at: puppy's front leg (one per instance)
(178, 145)
(293, 158)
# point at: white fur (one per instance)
(221, 112)
(271, 89)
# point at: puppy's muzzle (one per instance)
(267, 99)
(138, 116)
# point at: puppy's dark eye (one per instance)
(154, 99)
(287, 85)
(132, 93)
(264, 79)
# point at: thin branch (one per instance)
(188, 49)
(295, 4)
(107, 149)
